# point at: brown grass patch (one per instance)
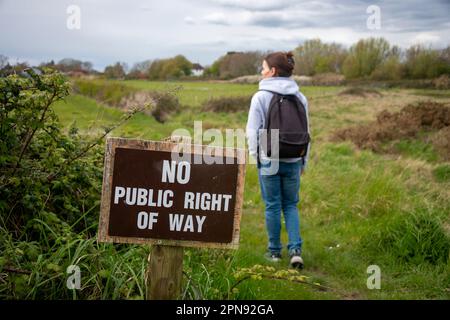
(430, 117)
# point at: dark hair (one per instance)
(283, 62)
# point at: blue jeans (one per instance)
(280, 191)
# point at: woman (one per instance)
(279, 189)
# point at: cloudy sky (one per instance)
(203, 30)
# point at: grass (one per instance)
(357, 209)
(442, 173)
(417, 149)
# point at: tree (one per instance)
(86, 66)
(171, 68)
(140, 70)
(116, 71)
(236, 64)
(314, 56)
(422, 62)
(391, 68)
(17, 68)
(365, 56)
(50, 64)
(69, 64)
(445, 55)
(74, 65)
(213, 70)
(176, 67)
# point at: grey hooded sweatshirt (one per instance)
(260, 106)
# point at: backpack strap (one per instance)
(274, 94)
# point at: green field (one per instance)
(357, 208)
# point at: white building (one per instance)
(197, 70)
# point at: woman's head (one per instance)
(278, 64)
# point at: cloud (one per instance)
(256, 5)
(218, 18)
(426, 37)
(203, 30)
(262, 19)
(279, 19)
(189, 20)
(146, 8)
(396, 16)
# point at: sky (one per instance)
(203, 30)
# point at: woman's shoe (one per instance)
(296, 259)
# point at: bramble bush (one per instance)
(44, 174)
(50, 190)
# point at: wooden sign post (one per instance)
(171, 195)
(164, 273)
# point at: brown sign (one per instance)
(151, 196)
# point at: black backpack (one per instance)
(287, 114)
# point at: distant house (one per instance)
(197, 70)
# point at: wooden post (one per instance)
(164, 273)
(165, 267)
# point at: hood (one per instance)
(280, 85)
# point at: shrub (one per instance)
(425, 120)
(45, 174)
(164, 104)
